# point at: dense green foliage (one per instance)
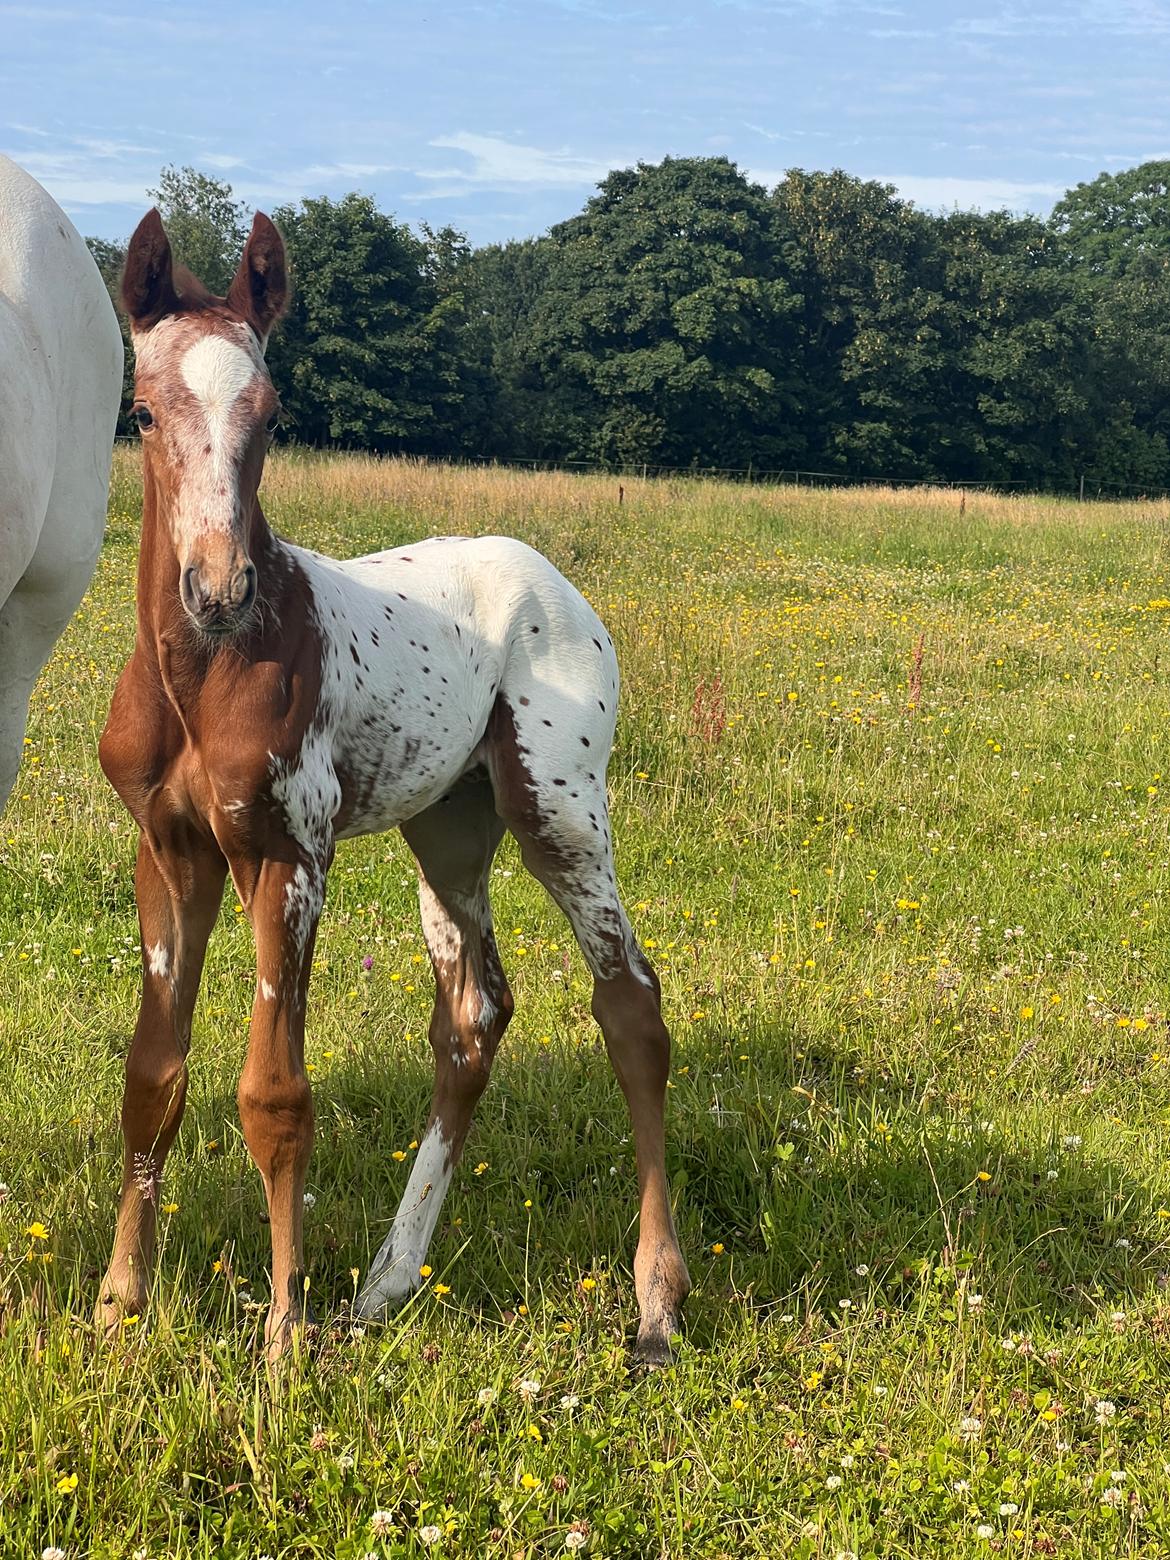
(688, 317)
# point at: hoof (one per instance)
(288, 1334)
(111, 1314)
(382, 1294)
(652, 1350)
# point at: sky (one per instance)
(500, 117)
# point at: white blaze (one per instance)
(216, 371)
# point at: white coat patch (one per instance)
(160, 960)
(394, 1273)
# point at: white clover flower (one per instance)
(528, 1389)
(1112, 1496)
(52, 1553)
(431, 1534)
(310, 1200)
(1070, 1140)
(485, 1397)
(1118, 1320)
(1118, 1476)
(985, 1530)
(834, 1481)
(1104, 1410)
(880, 1391)
(970, 1428)
(961, 1486)
(1054, 1175)
(974, 1302)
(570, 1401)
(861, 1269)
(575, 1539)
(381, 1523)
(847, 1461)
(1122, 1242)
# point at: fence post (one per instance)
(1082, 499)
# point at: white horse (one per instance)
(60, 385)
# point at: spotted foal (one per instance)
(277, 701)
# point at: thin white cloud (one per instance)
(496, 164)
(941, 193)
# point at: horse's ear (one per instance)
(259, 290)
(148, 287)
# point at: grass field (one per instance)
(910, 913)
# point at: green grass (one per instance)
(915, 960)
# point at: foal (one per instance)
(277, 701)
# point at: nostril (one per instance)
(246, 587)
(190, 592)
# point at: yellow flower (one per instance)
(534, 1432)
(442, 1289)
(480, 1168)
(67, 1485)
(529, 1481)
(37, 1231)
(528, 1202)
(1026, 1012)
(425, 1271)
(130, 1321)
(170, 1207)
(588, 1283)
(738, 1404)
(717, 1248)
(983, 1176)
(398, 1154)
(813, 1380)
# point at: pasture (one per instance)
(890, 801)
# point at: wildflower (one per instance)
(368, 962)
(431, 1534)
(970, 1429)
(533, 1433)
(1117, 1476)
(588, 1283)
(310, 1201)
(717, 1248)
(345, 1462)
(425, 1271)
(1112, 1496)
(861, 1269)
(485, 1397)
(974, 1303)
(480, 1168)
(1118, 1321)
(834, 1481)
(961, 1486)
(441, 1290)
(382, 1523)
(67, 1485)
(985, 1530)
(528, 1389)
(1070, 1140)
(51, 1552)
(37, 1231)
(1008, 1508)
(529, 1481)
(739, 1404)
(1104, 1410)
(575, 1539)
(570, 1401)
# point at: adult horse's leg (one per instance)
(178, 884)
(562, 826)
(454, 842)
(284, 898)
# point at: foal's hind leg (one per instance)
(454, 842)
(560, 819)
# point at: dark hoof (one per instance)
(652, 1351)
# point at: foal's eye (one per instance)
(273, 423)
(143, 418)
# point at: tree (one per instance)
(1108, 224)
(662, 330)
(206, 225)
(368, 355)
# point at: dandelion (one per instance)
(37, 1231)
(382, 1523)
(431, 1534)
(588, 1283)
(717, 1248)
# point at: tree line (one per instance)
(689, 317)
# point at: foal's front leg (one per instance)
(178, 883)
(284, 899)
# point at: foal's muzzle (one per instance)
(217, 602)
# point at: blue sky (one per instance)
(501, 116)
